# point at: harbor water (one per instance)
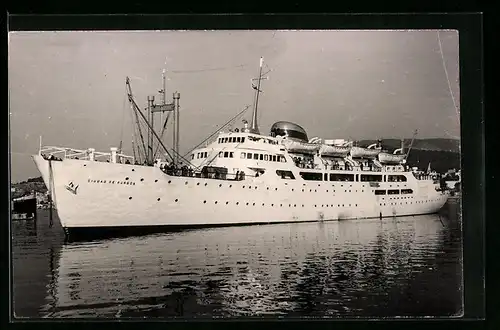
(392, 267)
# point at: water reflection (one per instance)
(346, 268)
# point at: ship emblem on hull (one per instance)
(72, 188)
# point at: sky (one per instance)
(69, 86)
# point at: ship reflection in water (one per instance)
(408, 266)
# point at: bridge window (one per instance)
(406, 191)
(325, 177)
(249, 155)
(273, 158)
(221, 154)
(393, 191)
(231, 154)
(311, 176)
(238, 139)
(256, 156)
(282, 159)
(242, 139)
(225, 140)
(379, 192)
(396, 178)
(192, 156)
(266, 157)
(371, 178)
(341, 177)
(243, 155)
(285, 174)
(226, 154)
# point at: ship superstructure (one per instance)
(239, 176)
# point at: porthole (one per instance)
(321, 205)
(84, 164)
(262, 204)
(206, 184)
(184, 183)
(253, 204)
(281, 205)
(230, 185)
(169, 181)
(176, 200)
(227, 203)
(272, 204)
(276, 189)
(142, 179)
(292, 189)
(204, 202)
(255, 187)
(327, 191)
(247, 203)
(237, 203)
(133, 170)
(126, 178)
(215, 202)
(198, 184)
(267, 188)
(302, 189)
(243, 187)
(302, 205)
(130, 198)
(314, 205)
(219, 185)
(158, 199)
(156, 180)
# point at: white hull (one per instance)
(104, 199)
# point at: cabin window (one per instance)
(285, 174)
(406, 191)
(225, 140)
(392, 191)
(243, 155)
(274, 158)
(221, 154)
(249, 155)
(266, 157)
(380, 192)
(325, 177)
(226, 154)
(220, 140)
(256, 156)
(371, 178)
(282, 159)
(261, 157)
(385, 178)
(206, 154)
(357, 177)
(192, 156)
(231, 154)
(341, 177)
(311, 176)
(396, 178)
(242, 139)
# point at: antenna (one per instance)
(254, 126)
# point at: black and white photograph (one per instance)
(235, 173)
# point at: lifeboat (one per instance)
(335, 151)
(370, 152)
(394, 158)
(295, 146)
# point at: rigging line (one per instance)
(162, 133)
(218, 130)
(210, 69)
(122, 124)
(447, 76)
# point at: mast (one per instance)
(255, 127)
(176, 98)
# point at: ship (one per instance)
(235, 177)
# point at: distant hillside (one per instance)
(423, 144)
(26, 187)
